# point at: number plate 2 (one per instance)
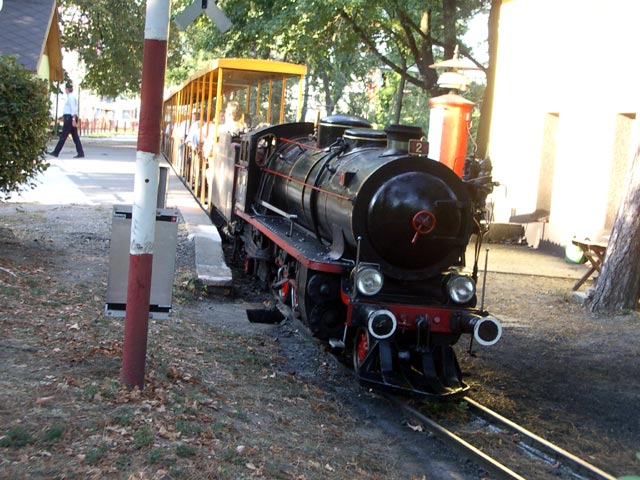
(418, 147)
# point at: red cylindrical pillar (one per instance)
(145, 192)
(449, 124)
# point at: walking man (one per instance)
(70, 123)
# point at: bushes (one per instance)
(24, 122)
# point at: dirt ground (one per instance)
(227, 399)
(565, 374)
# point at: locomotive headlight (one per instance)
(461, 288)
(369, 281)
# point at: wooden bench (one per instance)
(594, 253)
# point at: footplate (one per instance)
(297, 242)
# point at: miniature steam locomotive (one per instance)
(365, 242)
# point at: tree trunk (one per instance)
(486, 110)
(449, 16)
(618, 286)
(326, 84)
(305, 101)
(400, 99)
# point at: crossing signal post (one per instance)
(145, 192)
(156, 33)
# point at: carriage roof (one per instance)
(237, 73)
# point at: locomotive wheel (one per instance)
(322, 288)
(318, 301)
(361, 346)
(326, 320)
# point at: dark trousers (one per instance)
(68, 128)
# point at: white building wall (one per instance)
(571, 58)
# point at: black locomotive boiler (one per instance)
(366, 242)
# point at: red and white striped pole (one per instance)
(145, 191)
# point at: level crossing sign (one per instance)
(193, 11)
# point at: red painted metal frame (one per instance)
(290, 249)
(290, 178)
(302, 145)
(439, 318)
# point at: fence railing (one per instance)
(107, 126)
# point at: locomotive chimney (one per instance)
(398, 137)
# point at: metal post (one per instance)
(145, 192)
(484, 278)
(163, 186)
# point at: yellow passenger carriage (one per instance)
(204, 117)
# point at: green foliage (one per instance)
(190, 289)
(123, 462)
(110, 388)
(142, 437)
(385, 101)
(95, 455)
(188, 428)
(476, 95)
(155, 455)
(20, 437)
(16, 438)
(406, 37)
(90, 391)
(53, 434)
(183, 450)
(415, 106)
(24, 122)
(109, 39)
(340, 41)
(124, 415)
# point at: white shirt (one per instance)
(71, 106)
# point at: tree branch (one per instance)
(384, 59)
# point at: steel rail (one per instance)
(577, 464)
(490, 464)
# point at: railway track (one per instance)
(519, 455)
(507, 451)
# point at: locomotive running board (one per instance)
(302, 246)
